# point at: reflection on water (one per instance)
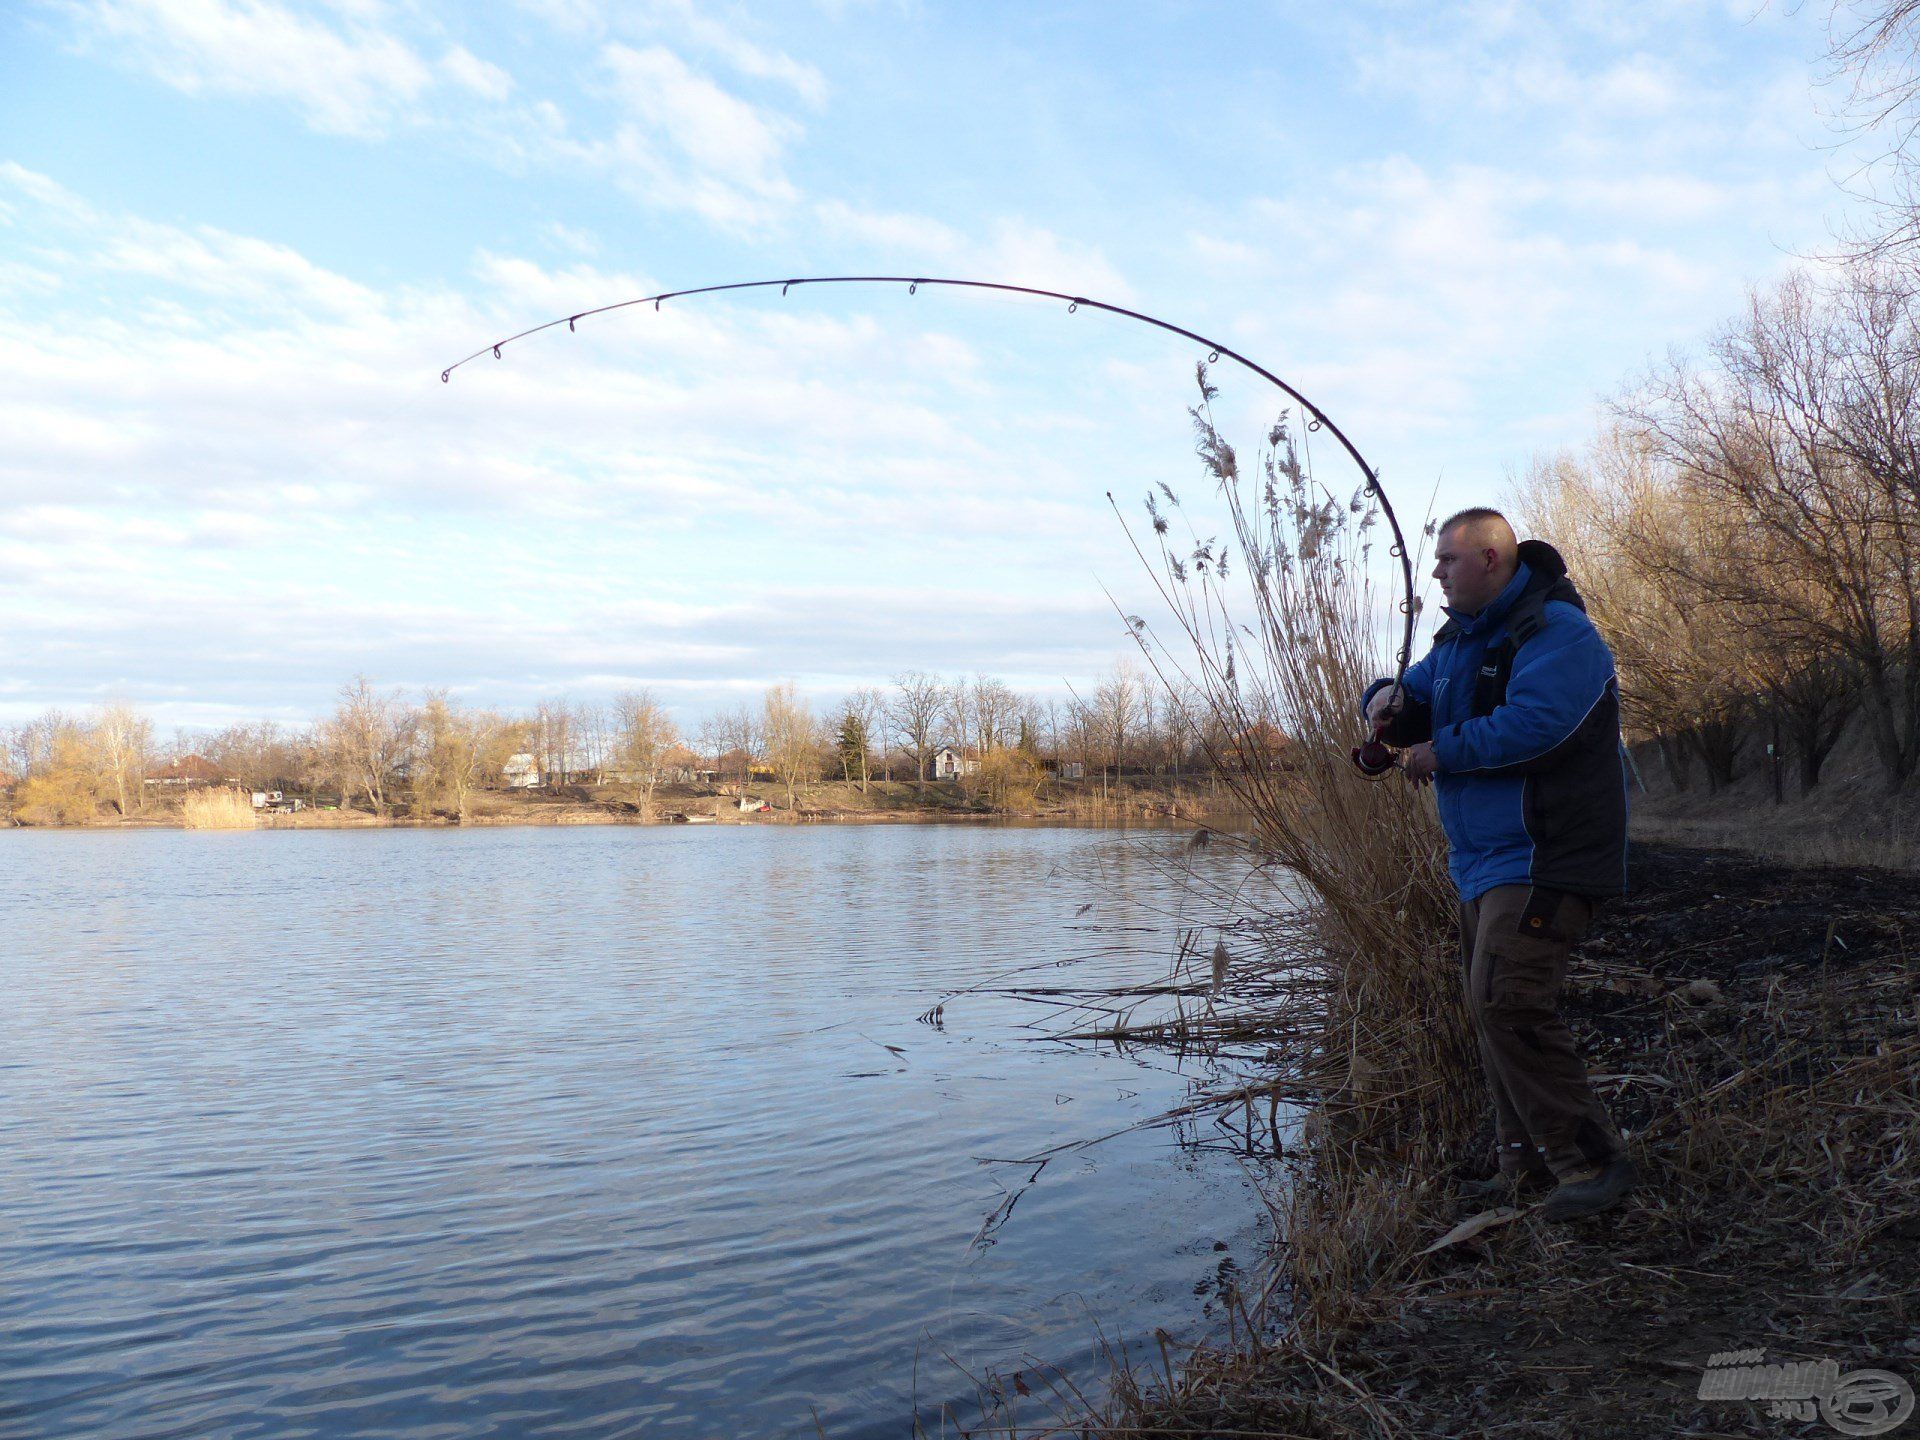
(570, 1132)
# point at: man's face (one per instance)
(1468, 576)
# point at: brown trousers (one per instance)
(1514, 945)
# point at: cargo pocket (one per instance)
(1526, 967)
(1540, 918)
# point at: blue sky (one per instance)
(238, 242)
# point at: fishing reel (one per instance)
(1374, 758)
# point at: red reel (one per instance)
(1372, 758)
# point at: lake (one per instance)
(589, 1132)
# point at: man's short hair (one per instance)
(1470, 515)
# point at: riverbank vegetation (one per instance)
(969, 743)
(1747, 534)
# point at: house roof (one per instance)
(189, 767)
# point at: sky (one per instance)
(240, 240)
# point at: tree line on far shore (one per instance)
(1745, 529)
(391, 753)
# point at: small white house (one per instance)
(951, 764)
(520, 772)
(1073, 770)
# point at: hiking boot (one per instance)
(1601, 1191)
(1506, 1187)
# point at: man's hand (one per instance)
(1419, 763)
(1384, 703)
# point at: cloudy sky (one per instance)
(239, 240)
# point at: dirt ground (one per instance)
(1756, 1024)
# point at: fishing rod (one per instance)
(1371, 758)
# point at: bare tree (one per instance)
(869, 707)
(370, 736)
(738, 730)
(790, 736)
(643, 734)
(1117, 712)
(596, 736)
(260, 755)
(1798, 451)
(1874, 58)
(456, 752)
(994, 713)
(915, 709)
(124, 738)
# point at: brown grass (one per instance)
(217, 810)
(1889, 842)
(1777, 1141)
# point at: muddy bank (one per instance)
(1758, 1028)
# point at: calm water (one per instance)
(581, 1132)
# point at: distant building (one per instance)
(951, 764)
(1071, 769)
(184, 771)
(521, 772)
(681, 766)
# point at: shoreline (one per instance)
(1755, 1027)
(1148, 802)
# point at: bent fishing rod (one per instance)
(1371, 758)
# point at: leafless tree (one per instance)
(791, 737)
(993, 714)
(738, 731)
(642, 736)
(124, 738)
(1873, 61)
(1117, 712)
(869, 707)
(370, 736)
(1797, 450)
(456, 751)
(596, 735)
(915, 709)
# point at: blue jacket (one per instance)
(1523, 709)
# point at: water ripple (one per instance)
(591, 1133)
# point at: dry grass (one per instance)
(1356, 994)
(1756, 1031)
(1891, 843)
(217, 810)
(1777, 1124)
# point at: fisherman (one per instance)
(1514, 717)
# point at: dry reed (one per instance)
(1280, 628)
(1776, 1120)
(217, 810)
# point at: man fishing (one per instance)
(1514, 717)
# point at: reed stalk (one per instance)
(217, 810)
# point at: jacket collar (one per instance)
(1465, 622)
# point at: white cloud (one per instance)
(350, 78)
(244, 480)
(1443, 300)
(684, 23)
(687, 143)
(1006, 249)
(471, 73)
(698, 27)
(1632, 80)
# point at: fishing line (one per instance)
(1372, 759)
